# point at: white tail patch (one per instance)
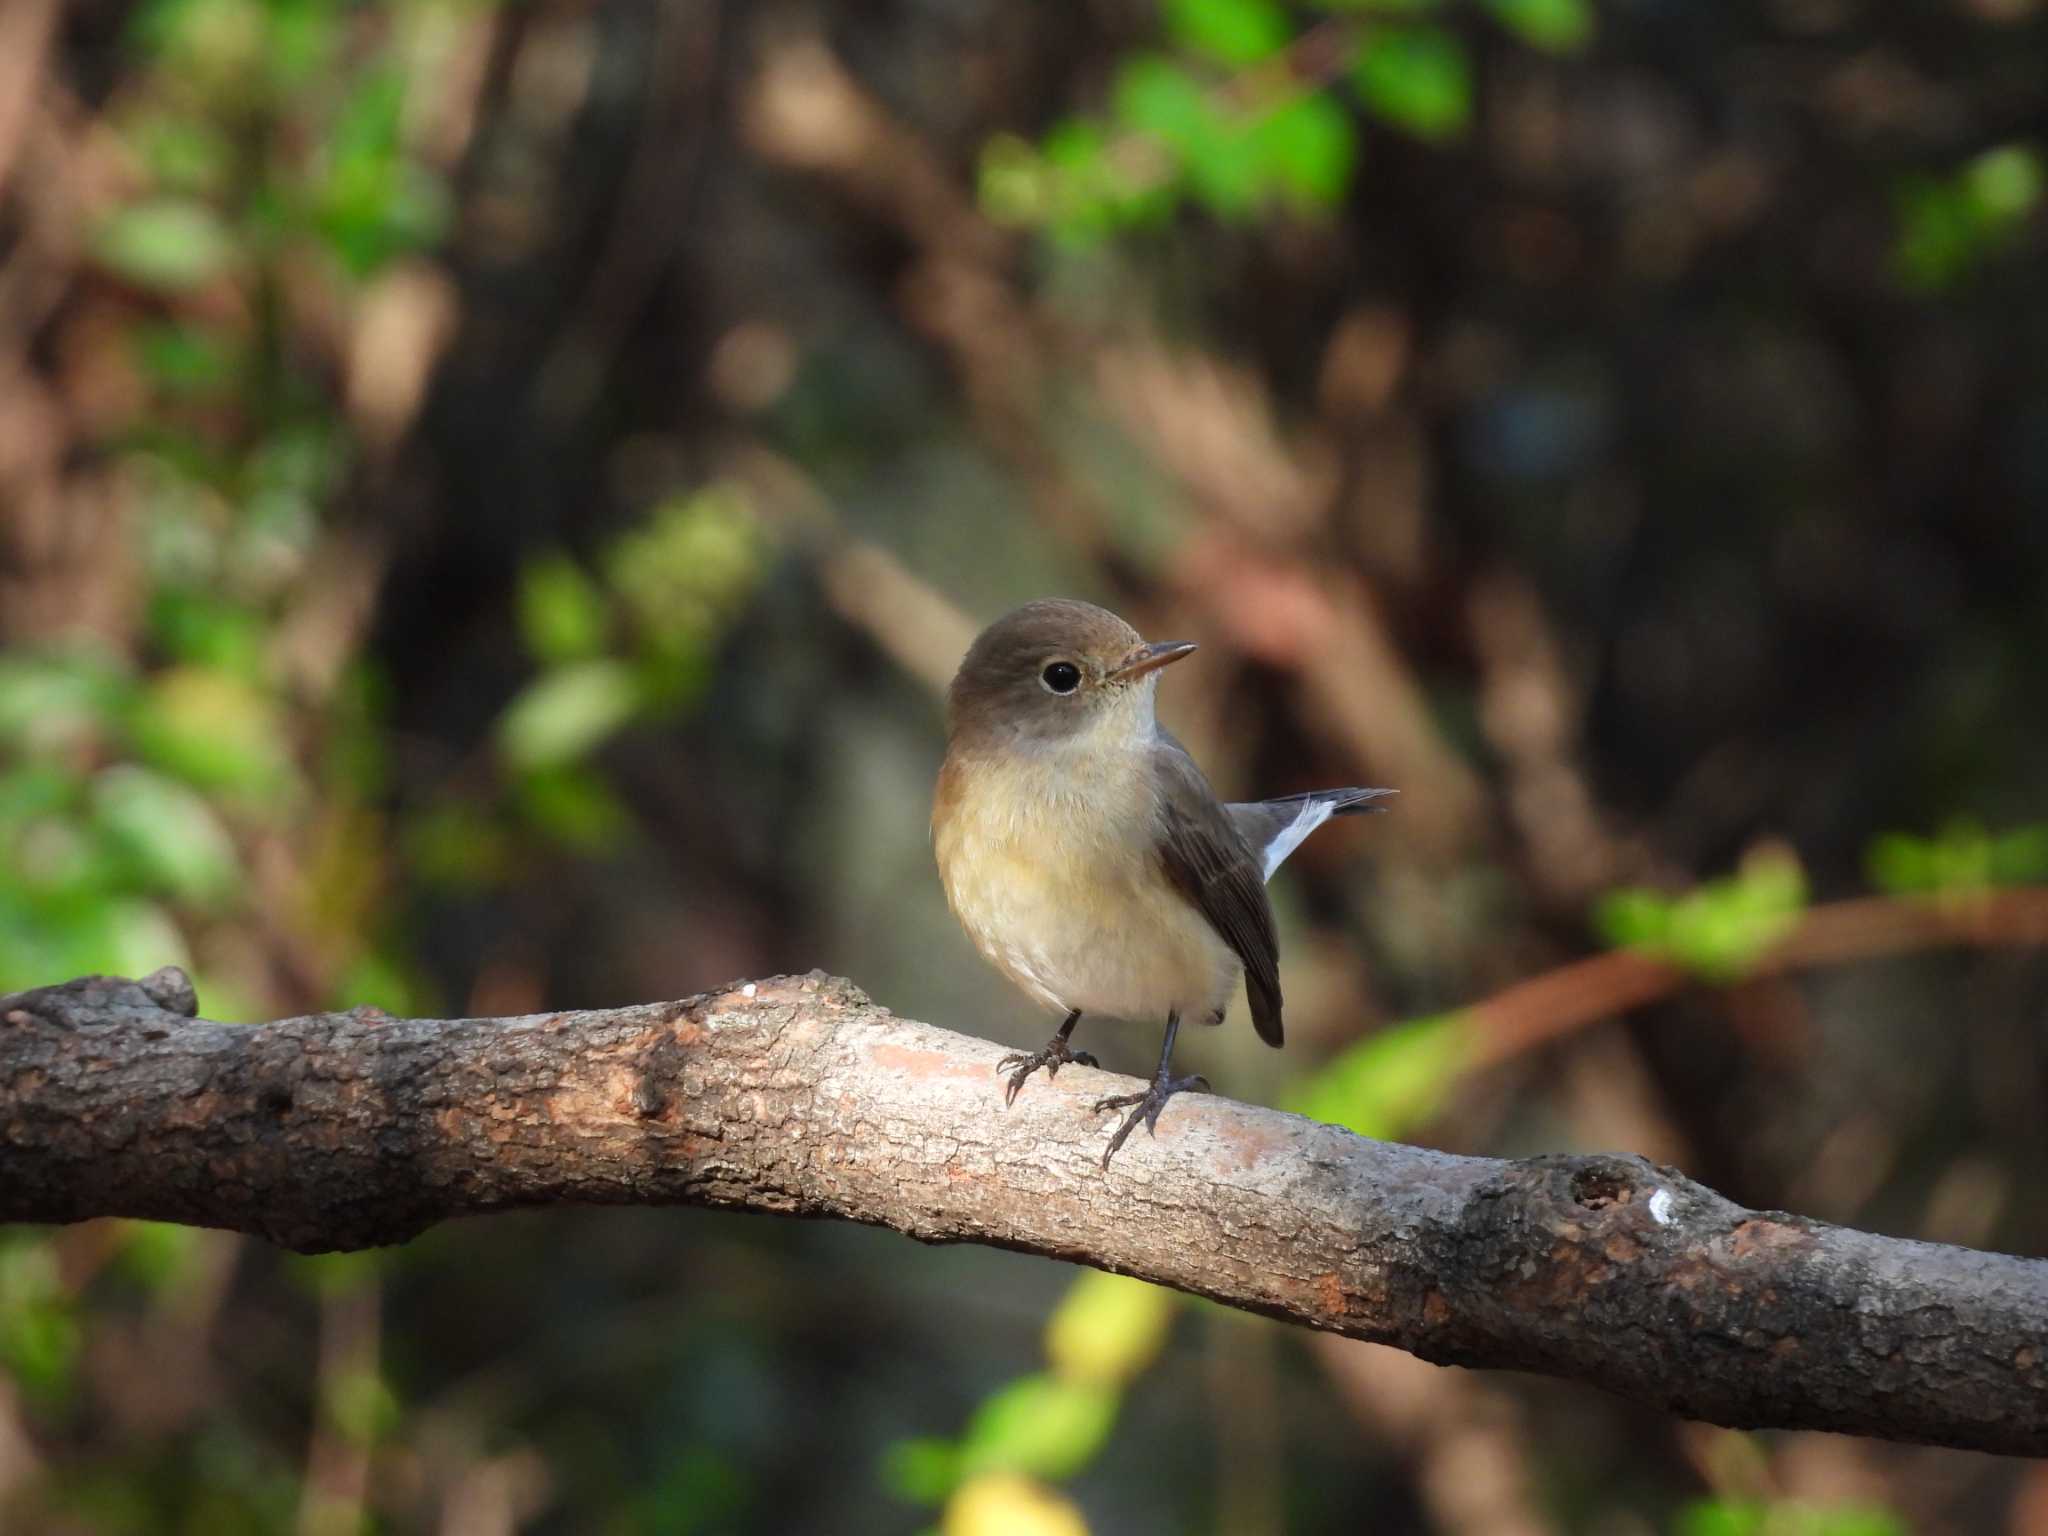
(1313, 814)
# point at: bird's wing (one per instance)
(1275, 828)
(1208, 859)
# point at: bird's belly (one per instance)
(1119, 940)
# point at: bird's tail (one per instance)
(1342, 802)
(1275, 828)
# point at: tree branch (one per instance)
(797, 1095)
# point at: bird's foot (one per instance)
(1057, 1054)
(1145, 1106)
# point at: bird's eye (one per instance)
(1061, 677)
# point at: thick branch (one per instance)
(798, 1095)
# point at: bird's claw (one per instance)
(1145, 1106)
(1021, 1064)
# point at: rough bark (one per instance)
(797, 1095)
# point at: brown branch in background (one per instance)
(1547, 1007)
(799, 1096)
(26, 27)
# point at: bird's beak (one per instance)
(1149, 658)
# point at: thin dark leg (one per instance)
(1148, 1104)
(1055, 1055)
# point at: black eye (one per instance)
(1061, 677)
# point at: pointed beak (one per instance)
(1150, 658)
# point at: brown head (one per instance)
(1054, 672)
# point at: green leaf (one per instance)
(57, 704)
(1108, 1328)
(1386, 1085)
(1416, 78)
(1718, 931)
(158, 1253)
(566, 712)
(459, 846)
(562, 613)
(922, 1470)
(1947, 227)
(1232, 32)
(39, 1336)
(1633, 918)
(168, 832)
(1309, 148)
(1014, 183)
(1156, 97)
(361, 1404)
(200, 627)
(169, 244)
(184, 359)
(1720, 1517)
(1041, 1426)
(1730, 1517)
(575, 807)
(2004, 184)
(1229, 177)
(213, 730)
(1555, 26)
(2020, 857)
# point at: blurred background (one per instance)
(490, 495)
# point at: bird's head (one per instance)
(1057, 672)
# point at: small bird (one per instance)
(1086, 855)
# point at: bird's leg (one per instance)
(1146, 1106)
(1055, 1055)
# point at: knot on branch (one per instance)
(94, 1001)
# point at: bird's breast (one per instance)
(1053, 871)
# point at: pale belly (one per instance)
(1109, 936)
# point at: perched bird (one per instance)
(1085, 854)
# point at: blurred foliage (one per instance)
(1721, 1518)
(1236, 119)
(409, 615)
(1961, 859)
(1719, 930)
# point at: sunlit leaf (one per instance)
(139, 937)
(57, 703)
(1718, 930)
(575, 807)
(214, 730)
(1233, 32)
(1417, 78)
(168, 832)
(458, 845)
(1002, 1505)
(170, 244)
(2005, 183)
(1044, 1426)
(158, 1253)
(1556, 26)
(184, 359)
(361, 1404)
(567, 711)
(376, 981)
(338, 1274)
(1739, 1517)
(1390, 1082)
(1157, 97)
(1948, 226)
(562, 614)
(921, 1471)
(1107, 1328)
(199, 627)
(1309, 148)
(39, 1336)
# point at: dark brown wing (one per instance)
(1208, 859)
